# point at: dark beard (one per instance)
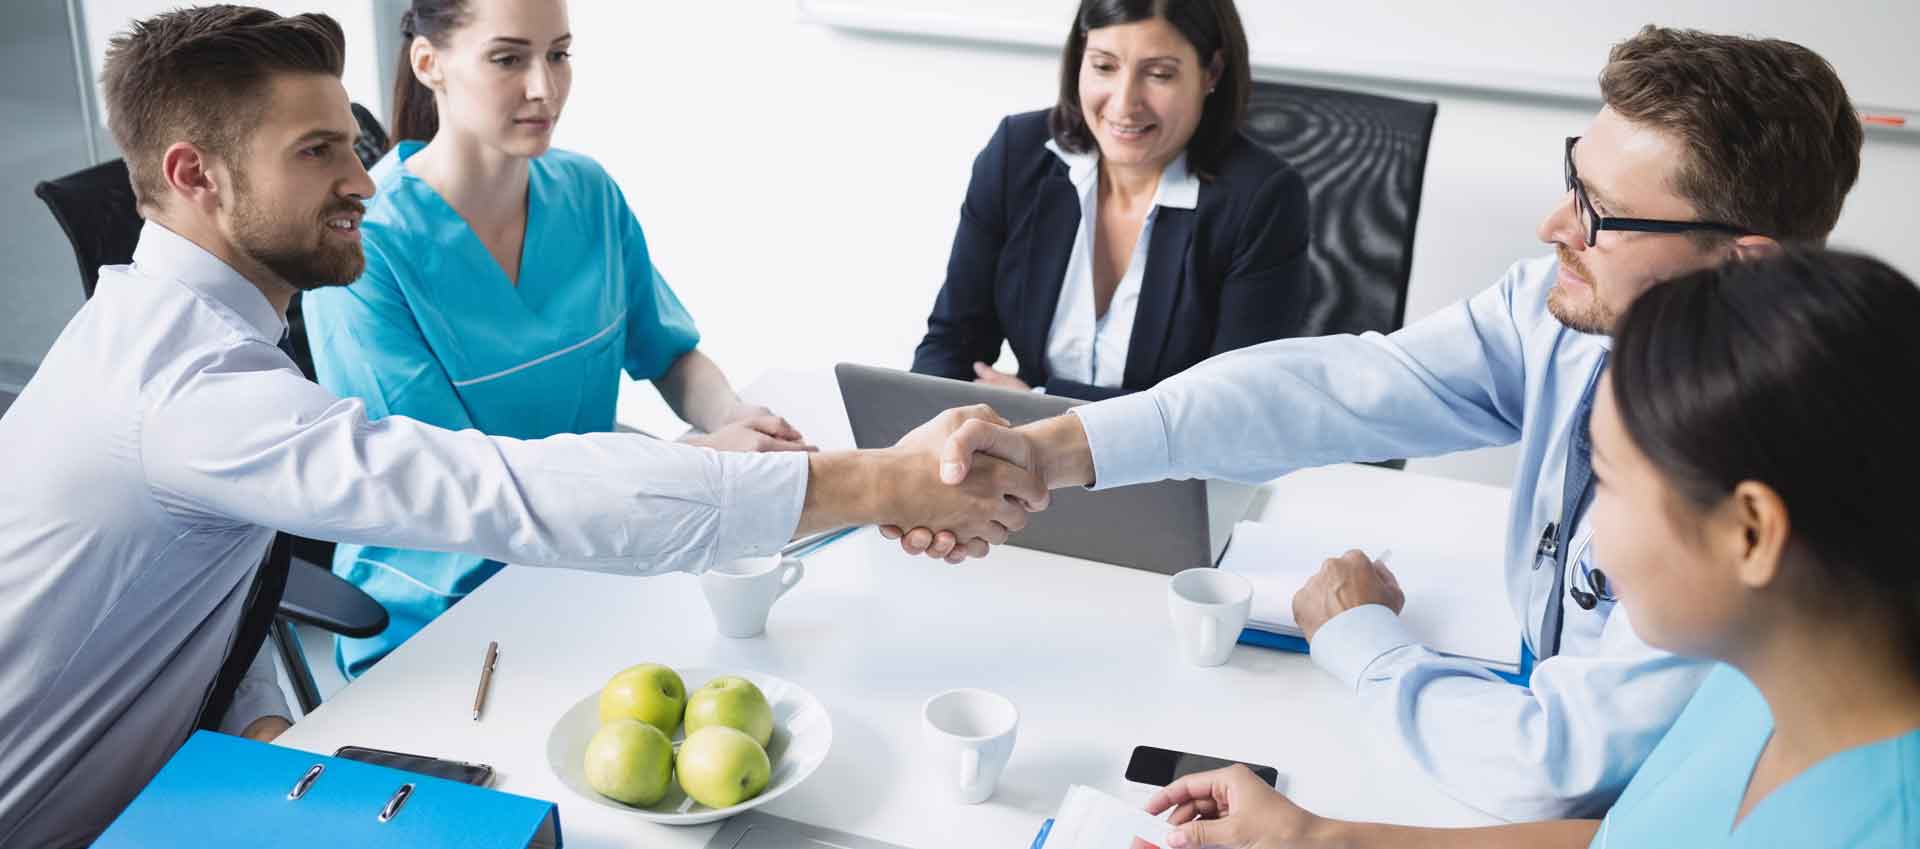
(307, 266)
(314, 268)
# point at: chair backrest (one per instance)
(1364, 158)
(95, 208)
(373, 138)
(267, 585)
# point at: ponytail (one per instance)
(415, 118)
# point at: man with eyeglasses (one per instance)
(1709, 148)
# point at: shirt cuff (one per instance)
(1351, 641)
(258, 694)
(1128, 439)
(760, 503)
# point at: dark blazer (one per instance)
(1227, 274)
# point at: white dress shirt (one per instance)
(1492, 370)
(1081, 346)
(160, 444)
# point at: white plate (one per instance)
(802, 733)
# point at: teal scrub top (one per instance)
(1690, 788)
(433, 330)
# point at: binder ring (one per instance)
(393, 805)
(305, 783)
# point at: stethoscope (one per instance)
(1596, 589)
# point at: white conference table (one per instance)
(1084, 650)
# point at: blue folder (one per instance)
(1283, 642)
(220, 791)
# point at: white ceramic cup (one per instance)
(970, 734)
(1209, 607)
(741, 592)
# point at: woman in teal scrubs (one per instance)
(507, 283)
(1753, 447)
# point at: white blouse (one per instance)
(1080, 346)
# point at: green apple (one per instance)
(734, 703)
(630, 761)
(649, 692)
(721, 767)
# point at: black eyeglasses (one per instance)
(1594, 222)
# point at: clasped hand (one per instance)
(974, 485)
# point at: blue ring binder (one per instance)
(243, 785)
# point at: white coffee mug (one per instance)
(1209, 608)
(741, 592)
(970, 735)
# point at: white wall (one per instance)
(105, 19)
(1535, 48)
(799, 185)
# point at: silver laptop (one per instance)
(1160, 527)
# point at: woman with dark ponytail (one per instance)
(507, 282)
(1753, 450)
(414, 115)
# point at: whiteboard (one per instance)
(1512, 46)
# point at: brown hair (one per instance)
(199, 76)
(1774, 142)
(1211, 26)
(415, 117)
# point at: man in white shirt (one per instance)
(1709, 148)
(166, 437)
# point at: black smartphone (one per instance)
(478, 775)
(1160, 767)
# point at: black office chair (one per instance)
(95, 208)
(1364, 158)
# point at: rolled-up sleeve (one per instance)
(1128, 439)
(762, 497)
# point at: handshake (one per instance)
(960, 484)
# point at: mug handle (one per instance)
(969, 768)
(1209, 636)
(790, 575)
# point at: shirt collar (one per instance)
(166, 254)
(1179, 188)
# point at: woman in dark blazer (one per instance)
(1132, 230)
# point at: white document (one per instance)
(1447, 539)
(1090, 819)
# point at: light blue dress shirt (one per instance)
(435, 331)
(1692, 785)
(165, 437)
(1492, 370)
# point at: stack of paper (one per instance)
(1448, 555)
(1090, 819)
